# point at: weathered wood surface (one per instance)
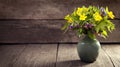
(32, 56)
(43, 31)
(49, 9)
(67, 57)
(8, 53)
(37, 56)
(53, 55)
(113, 51)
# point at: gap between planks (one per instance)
(55, 55)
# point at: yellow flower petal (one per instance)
(110, 14)
(97, 16)
(68, 18)
(83, 17)
(79, 10)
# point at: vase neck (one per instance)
(88, 38)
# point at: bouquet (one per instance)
(90, 21)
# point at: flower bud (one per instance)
(102, 11)
(71, 27)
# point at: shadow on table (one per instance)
(71, 63)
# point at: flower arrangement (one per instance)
(90, 21)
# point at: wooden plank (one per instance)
(114, 53)
(49, 9)
(37, 56)
(8, 53)
(42, 31)
(30, 31)
(67, 57)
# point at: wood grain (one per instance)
(49, 9)
(114, 53)
(44, 31)
(67, 57)
(37, 56)
(52, 55)
(8, 54)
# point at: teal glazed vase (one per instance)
(88, 49)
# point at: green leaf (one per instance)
(109, 29)
(100, 26)
(110, 26)
(80, 31)
(91, 35)
(106, 9)
(65, 26)
(97, 29)
(104, 33)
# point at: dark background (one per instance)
(40, 21)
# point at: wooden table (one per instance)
(55, 55)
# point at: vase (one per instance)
(88, 49)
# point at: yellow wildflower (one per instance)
(97, 16)
(67, 16)
(69, 19)
(82, 17)
(79, 10)
(110, 14)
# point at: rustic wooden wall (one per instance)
(38, 21)
(49, 9)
